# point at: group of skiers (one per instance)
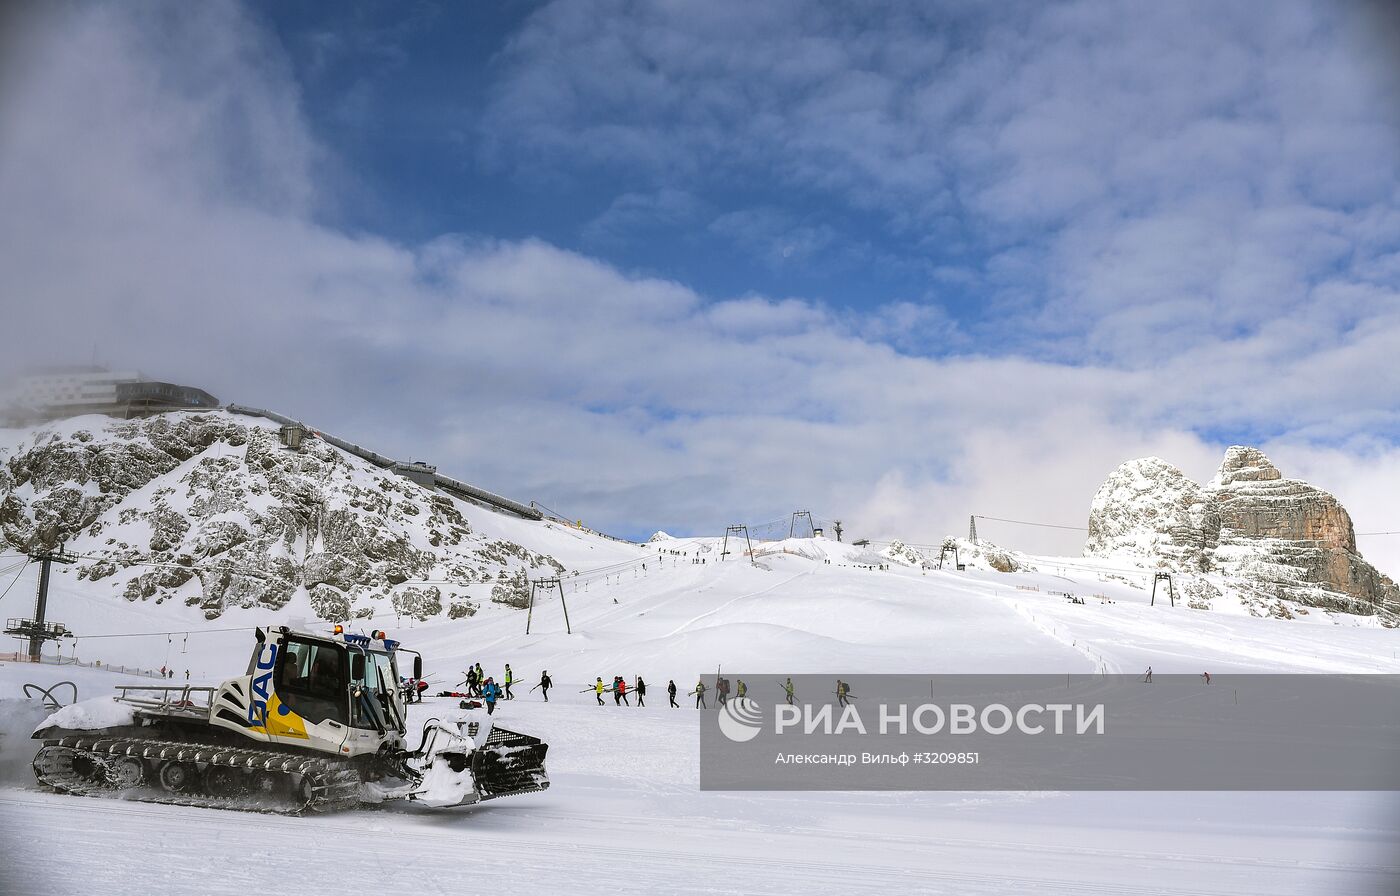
(485, 687)
(619, 690)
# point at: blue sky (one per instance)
(1009, 177)
(411, 101)
(674, 265)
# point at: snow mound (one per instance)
(91, 715)
(660, 535)
(899, 552)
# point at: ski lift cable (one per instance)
(201, 631)
(22, 567)
(999, 519)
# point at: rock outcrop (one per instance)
(209, 510)
(1266, 537)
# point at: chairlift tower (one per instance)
(799, 514)
(736, 530)
(972, 528)
(1162, 577)
(546, 586)
(837, 527)
(37, 630)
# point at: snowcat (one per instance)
(317, 724)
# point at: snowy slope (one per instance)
(624, 814)
(206, 510)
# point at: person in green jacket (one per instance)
(510, 679)
(699, 693)
(787, 689)
(742, 690)
(598, 689)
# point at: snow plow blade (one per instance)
(508, 764)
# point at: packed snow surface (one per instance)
(624, 813)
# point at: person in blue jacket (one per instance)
(490, 692)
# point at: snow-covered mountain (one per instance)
(1270, 540)
(208, 510)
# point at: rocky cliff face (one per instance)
(1264, 536)
(209, 510)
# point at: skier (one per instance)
(787, 689)
(742, 690)
(641, 690)
(510, 679)
(671, 692)
(480, 679)
(699, 693)
(622, 689)
(842, 689)
(470, 681)
(545, 684)
(721, 692)
(1206, 676)
(1148, 677)
(598, 689)
(490, 692)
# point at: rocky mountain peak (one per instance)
(207, 509)
(1148, 507)
(1244, 464)
(1252, 530)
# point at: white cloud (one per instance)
(1140, 172)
